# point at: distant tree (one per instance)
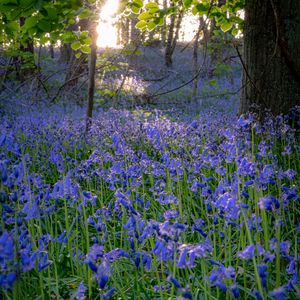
(270, 60)
(172, 34)
(50, 21)
(201, 28)
(92, 72)
(163, 30)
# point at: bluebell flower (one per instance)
(258, 295)
(235, 291)
(247, 253)
(278, 293)
(43, 261)
(115, 254)
(186, 293)
(7, 280)
(171, 214)
(262, 271)
(108, 294)
(6, 247)
(269, 203)
(103, 274)
(96, 251)
(31, 210)
(80, 295)
(174, 281)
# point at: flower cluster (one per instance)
(169, 208)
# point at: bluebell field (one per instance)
(149, 207)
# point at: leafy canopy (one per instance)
(45, 21)
(227, 16)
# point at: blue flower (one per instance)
(80, 295)
(108, 294)
(262, 271)
(7, 280)
(278, 294)
(174, 281)
(247, 253)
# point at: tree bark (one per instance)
(163, 31)
(172, 37)
(195, 58)
(75, 66)
(271, 79)
(92, 71)
(134, 33)
(51, 50)
(26, 47)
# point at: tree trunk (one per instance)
(134, 33)
(271, 63)
(125, 22)
(65, 53)
(51, 50)
(92, 71)
(172, 37)
(28, 60)
(195, 59)
(163, 31)
(75, 66)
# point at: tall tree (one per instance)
(163, 30)
(173, 33)
(271, 60)
(271, 55)
(92, 71)
(195, 57)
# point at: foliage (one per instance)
(44, 21)
(227, 16)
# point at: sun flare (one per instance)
(107, 32)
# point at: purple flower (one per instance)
(174, 281)
(262, 271)
(269, 203)
(7, 280)
(80, 295)
(31, 210)
(247, 253)
(278, 294)
(235, 291)
(103, 274)
(108, 294)
(6, 247)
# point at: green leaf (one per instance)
(151, 25)
(68, 37)
(75, 45)
(145, 16)
(87, 41)
(12, 26)
(213, 82)
(226, 25)
(235, 31)
(85, 14)
(52, 13)
(187, 3)
(44, 39)
(85, 49)
(136, 6)
(202, 8)
(152, 7)
(31, 22)
(77, 55)
(141, 24)
(44, 25)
